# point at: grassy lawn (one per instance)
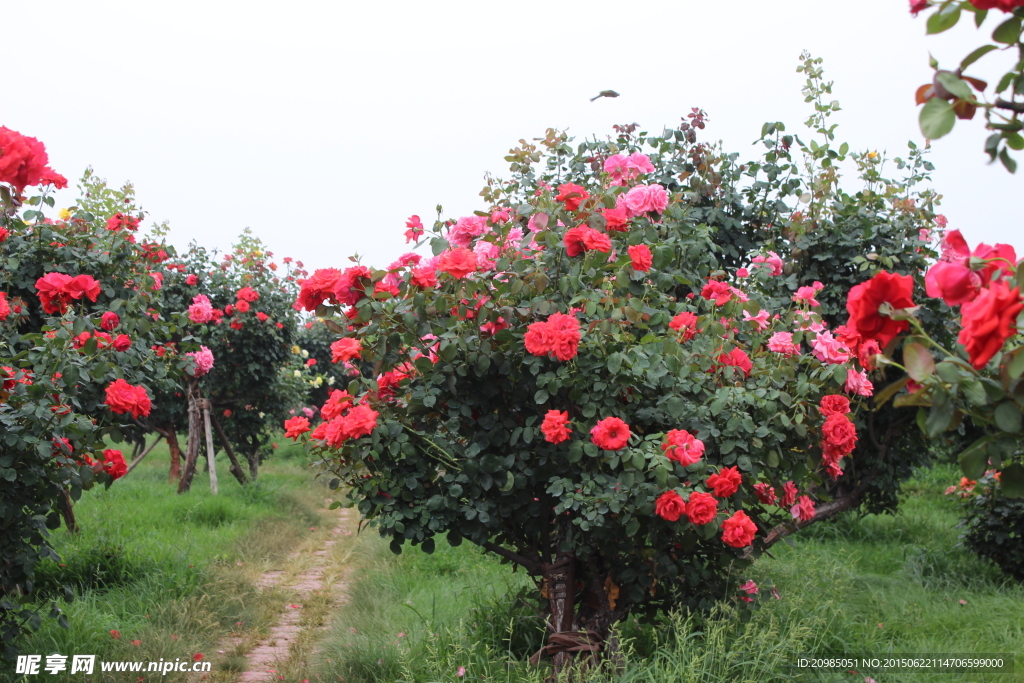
(866, 586)
(174, 573)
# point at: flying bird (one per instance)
(605, 93)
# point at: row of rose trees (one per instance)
(640, 367)
(100, 346)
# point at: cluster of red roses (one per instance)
(559, 335)
(978, 281)
(335, 286)
(738, 530)
(57, 290)
(112, 463)
(125, 398)
(839, 434)
(342, 420)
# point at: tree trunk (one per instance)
(192, 447)
(172, 445)
(254, 464)
(235, 469)
(67, 511)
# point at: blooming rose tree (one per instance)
(76, 319)
(581, 381)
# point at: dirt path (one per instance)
(312, 582)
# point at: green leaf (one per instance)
(937, 118)
(1008, 418)
(1015, 368)
(615, 362)
(976, 55)
(1011, 481)
(509, 483)
(943, 20)
(541, 396)
(918, 361)
(939, 416)
(955, 85)
(1007, 32)
(975, 458)
(1009, 162)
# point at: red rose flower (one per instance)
(803, 509)
(611, 434)
(109, 320)
(574, 240)
(669, 506)
(989, 321)
(5, 308)
(616, 220)
(125, 398)
(82, 286)
(595, 240)
(295, 427)
(242, 306)
(262, 317)
(834, 403)
(351, 286)
(360, 421)
(640, 254)
(685, 324)
(682, 447)
(555, 426)
(864, 299)
(765, 493)
(51, 292)
(1004, 5)
(122, 342)
(726, 482)
(315, 290)
(839, 435)
(424, 277)
(120, 220)
(191, 280)
(737, 358)
(346, 349)
(247, 294)
(719, 292)
(571, 195)
(954, 283)
(458, 262)
(738, 531)
(22, 159)
(789, 491)
(236, 324)
(701, 508)
(336, 404)
(559, 335)
(415, 226)
(114, 463)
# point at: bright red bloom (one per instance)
(726, 482)
(559, 335)
(336, 404)
(686, 324)
(351, 286)
(82, 286)
(616, 220)
(4, 233)
(641, 256)
(595, 240)
(719, 292)
(582, 238)
(295, 427)
(1002, 260)
(360, 421)
(765, 493)
(191, 280)
(346, 349)
(1004, 5)
(51, 177)
(262, 317)
(682, 447)
(571, 195)
(236, 324)
(247, 294)
(314, 290)
(669, 506)
(109, 320)
(737, 358)
(5, 308)
(424, 277)
(122, 342)
(989, 321)
(789, 491)
(125, 398)
(611, 434)
(114, 463)
(120, 220)
(458, 262)
(864, 299)
(555, 426)
(739, 530)
(839, 437)
(51, 292)
(834, 403)
(415, 229)
(803, 509)
(22, 159)
(242, 306)
(701, 508)
(954, 283)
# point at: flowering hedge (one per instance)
(583, 380)
(77, 316)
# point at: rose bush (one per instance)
(529, 388)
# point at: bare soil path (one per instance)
(311, 582)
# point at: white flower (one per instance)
(305, 353)
(330, 381)
(298, 373)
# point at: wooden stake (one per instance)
(210, 453)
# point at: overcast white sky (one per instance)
(323, 125)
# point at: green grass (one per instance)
(866, 586)
(173, 572)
